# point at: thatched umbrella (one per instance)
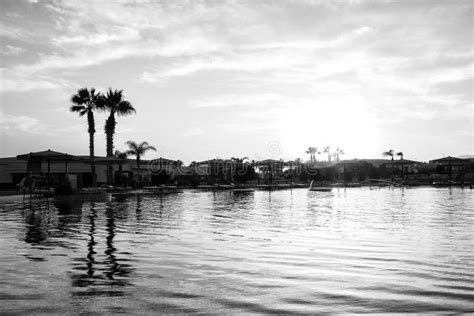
(35, 159)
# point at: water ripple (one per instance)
(285, 252)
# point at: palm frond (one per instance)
(76, 108)
(125, 108)
(132, 144)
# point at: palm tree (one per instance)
(388, 153)
(114, 103)
(337, 154)
(400, 154)
(241, 160)
(327, 149)
(120, 155)
(85, 102)
(138, 150)
(312, 153)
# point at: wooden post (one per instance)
(449, 171)
(49, 169)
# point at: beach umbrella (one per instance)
(34, 160)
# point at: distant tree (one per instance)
(400, 154)
(120, 155)
(337, 154)
(85, 102)
(388, 153)
(241, 160)
(327, 150)
(138, 150)
(312, 151)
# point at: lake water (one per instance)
(352, 251)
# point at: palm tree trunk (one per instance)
(138, 171)
(109, 132)
(90, 119)
(110, 124)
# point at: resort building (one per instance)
(57, 168)
(454, 168)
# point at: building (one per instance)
(455, 168)
(58, 168)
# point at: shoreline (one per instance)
(14, 195)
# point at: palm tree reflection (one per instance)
(114, 274)
(111, 260)
(37, 223)
(91, 244)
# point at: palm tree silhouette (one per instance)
(389, 153)
(312, 153)
(85, 101)
(400, 154)
(120, 155)
(327, 149)
(138, 150)
(337, 154)
(114, 103)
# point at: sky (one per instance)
(257, 78)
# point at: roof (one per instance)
(450, 159)
(113, 159)
(402, 161)
(213, 161)
(269, 162)
(47, 154)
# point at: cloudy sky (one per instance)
(242, 78)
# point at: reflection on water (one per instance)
(100, 272)
(353, 251)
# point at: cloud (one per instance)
(115, 34)
(12, 50)
(264, 99)
(20, 123)
(17, 81)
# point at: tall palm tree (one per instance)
(389, 153)
(327, 149)
(400, 154)
(138, 150)
(114, 103)
(337, 154)
(312, 153)
(85, 102)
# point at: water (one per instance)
(353, 251)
